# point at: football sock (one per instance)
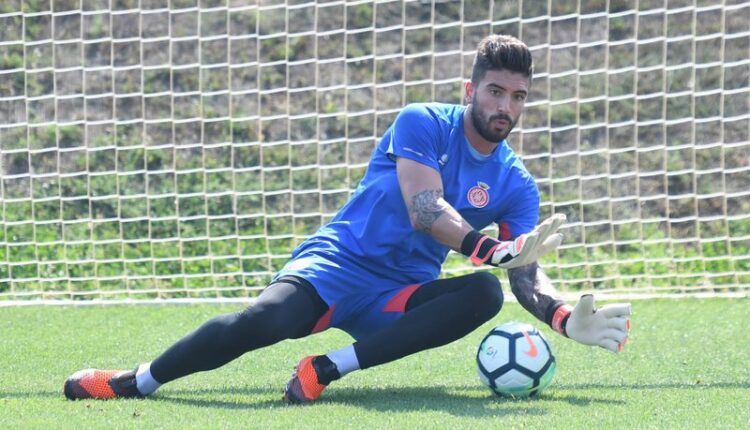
(345, 360)
(144, 381)
(325, 369)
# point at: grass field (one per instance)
(686, 367)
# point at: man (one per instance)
(439, 175)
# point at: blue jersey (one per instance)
(372, 235)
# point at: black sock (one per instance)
(325, 369)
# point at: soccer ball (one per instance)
(515, 360)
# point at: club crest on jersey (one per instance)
(478, 195)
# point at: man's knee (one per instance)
(224, 332)
(284, 310)
(487, 293)
(269, 320)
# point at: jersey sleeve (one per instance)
(524, 214)
(415, 136)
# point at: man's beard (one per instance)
(483, 127)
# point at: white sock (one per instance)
(144, 381)
(345, 359)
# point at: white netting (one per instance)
(181, 148)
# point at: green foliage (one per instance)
(359, 16)
(239, 162)
(10, 6)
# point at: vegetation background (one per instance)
(181, 148)
(155, 148)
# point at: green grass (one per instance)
(685, 367)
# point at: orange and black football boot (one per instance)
(101, 384)
(310, 378)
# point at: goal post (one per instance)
(180, 149)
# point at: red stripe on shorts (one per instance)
(398, 302)
(325, 321)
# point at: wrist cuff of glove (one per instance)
(559, 318)
(478, 247)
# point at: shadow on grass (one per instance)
(458, 401)
(472, 401)
(31, 394)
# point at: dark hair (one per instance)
(501, 52)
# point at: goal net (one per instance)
(180, 149)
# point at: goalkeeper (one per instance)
(439, 175)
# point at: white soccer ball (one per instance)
(515, 360)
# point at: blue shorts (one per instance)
(359, 302)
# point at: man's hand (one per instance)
(607, 327)
(526, 249)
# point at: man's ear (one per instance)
(468, 92)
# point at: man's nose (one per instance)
(503, 103)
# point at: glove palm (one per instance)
(527, 248)
(607, 327)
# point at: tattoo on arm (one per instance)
(533, 289)
(425, 209)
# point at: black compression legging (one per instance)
(287, 309)
(437, 313)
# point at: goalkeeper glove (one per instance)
(607, 327)
(525, 249)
